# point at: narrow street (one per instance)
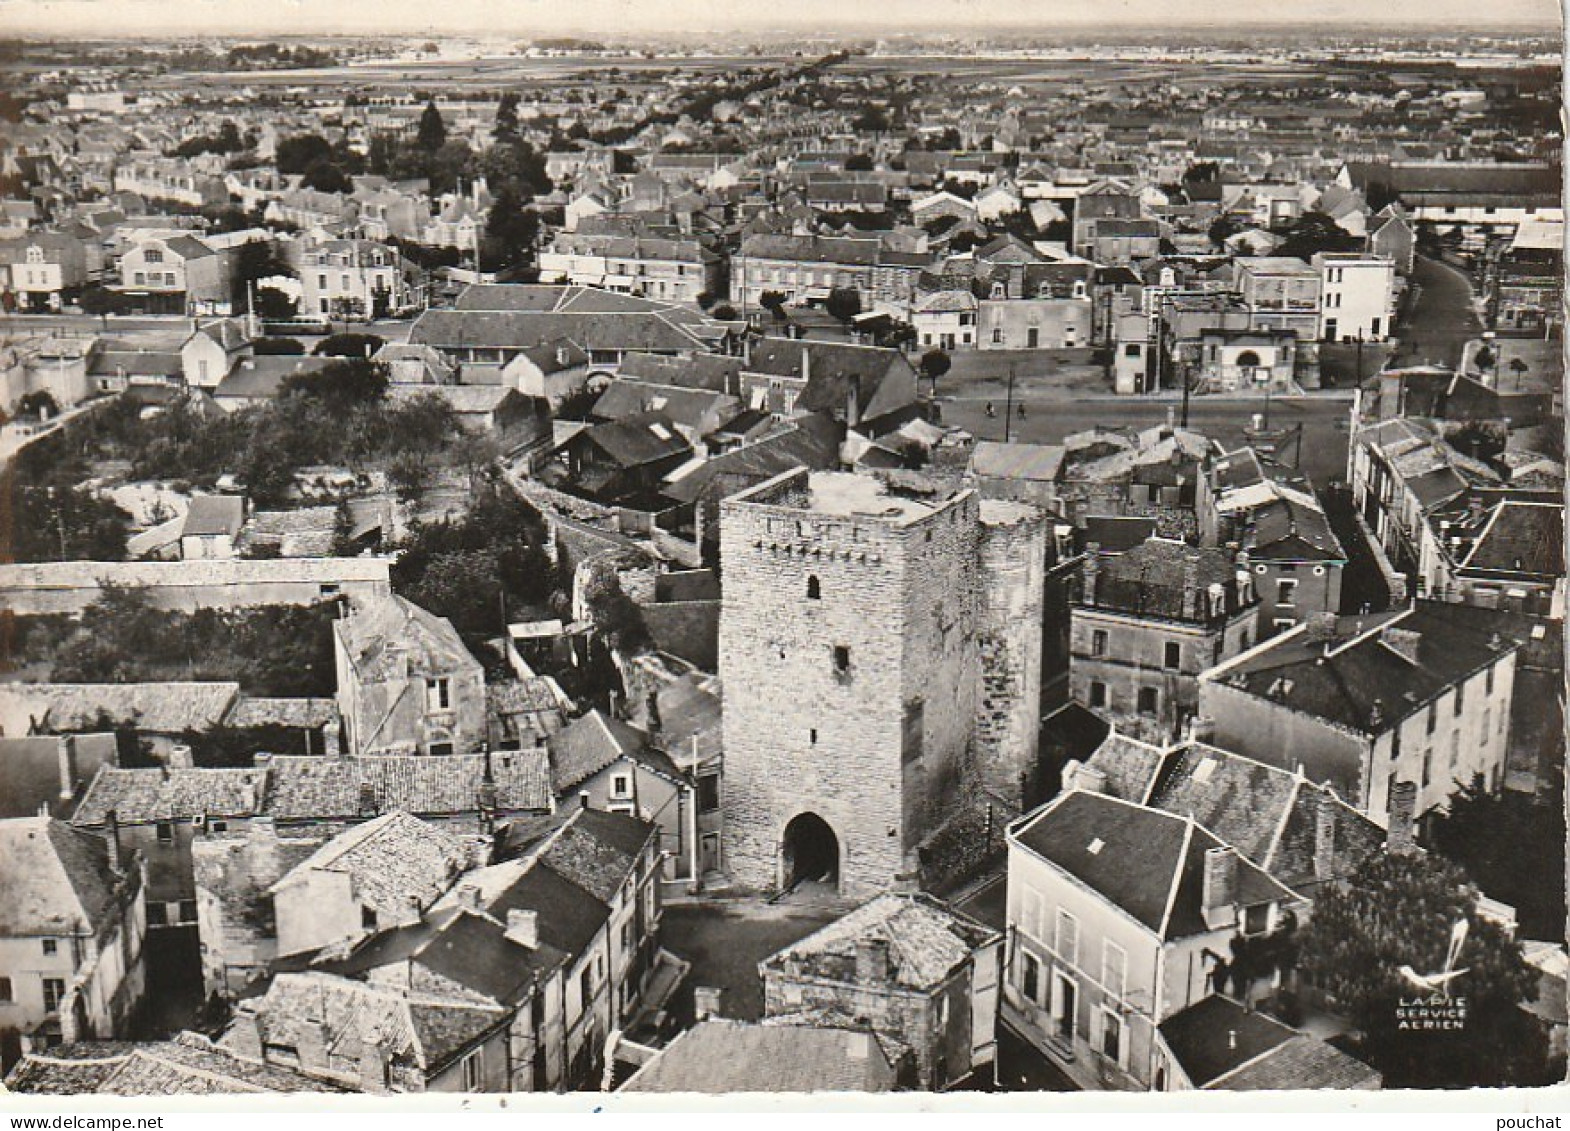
(1442, 318)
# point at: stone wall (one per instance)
(1012, 555)
(875, 750)
(35, 589)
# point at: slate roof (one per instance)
(393, 861)
(927, 942)
(627, 397)
(722, 1057)
(833, 369)
(1220, 1044)
(636, 441)
(214, 514)
(1521, 537)
(56, 881)
(1150, 864)
(1267, 813)
(31, 768)
(588, 744)
(263, 377)
(1362, 671)
(810, 441)
(716, 372)
(161, 708)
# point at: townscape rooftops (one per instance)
(992, 459)
(395, 638)
(161, 708)
(927, 942)
(721, 1057)
(1268, 814)
(391, 861)
(1366, 679)
(1150, 579)
(188, 1064)
(1521, 538)
(57, 880)
(1220, 1044)
(1145, 862)
(425, 1029)
(318, 788)
(589, 744)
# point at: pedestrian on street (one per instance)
(990, 413)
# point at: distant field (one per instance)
(449, 74)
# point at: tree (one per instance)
(433, 131)
(506, 127)
(275, 305)
(325, 176)
(1222, 229)
(349, 345)
(1519, 368)
(1398, 911)
(278, 347)
(102, 301)
(298, 153)
(772, 301)
(934, 364)
(39, 405)
(340, 385)
(512, 228)
(56, 521)
(1203, 172)
(843, 303)
(1483, 359)
(724, 312)
(254, 261)
(1314, 232)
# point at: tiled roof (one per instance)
(56, 880)
(587, 745)
(721, 1057)
(1301, 1063)
(261, 711)
(1521, 537)
(163, 708)
(145, 794)
(393, 862)
(427, 1030)
(310, 788)
(926, 942)
(1149, 580)
(395, 638)
(1037, 462)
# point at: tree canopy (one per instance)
(1398, 912)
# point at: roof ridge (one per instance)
(1177, 877)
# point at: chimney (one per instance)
(523, 928)
(310, 1043)
(180, 756)
(373, 1067)
(65, 749)
(1190, 587)
(1325, 835)
(1402, 641)
(872, 961)
(261, 845)
(706, 1001)
(112, 837)
(1087, 779)
(806, 364)
(853, 402)
(1399, 838)
(1321, 627)
(1089, 571)
(652, 706)
(244, 1037)
(1219, 891)
(469, 897)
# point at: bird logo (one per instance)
(1440, 983)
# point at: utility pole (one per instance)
(1008, 411)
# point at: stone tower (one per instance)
(850, 650)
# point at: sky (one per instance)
(605, 17)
